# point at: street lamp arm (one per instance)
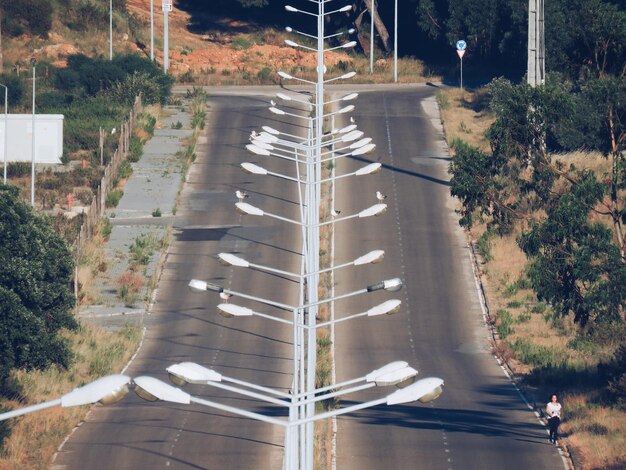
(238, 411)
(340, 411)
(29, 409)
(247, 393)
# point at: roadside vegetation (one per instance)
(540, 174)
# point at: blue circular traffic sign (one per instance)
(461, 45)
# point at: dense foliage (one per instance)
(572, 219)
(35, 295)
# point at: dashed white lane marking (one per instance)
(403, 271)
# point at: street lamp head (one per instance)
(360, 143)
(196, 285)
(248, 209)
(391, 285)
(346, 109)
(349, 128)
(289, 29)
(275, 110)
(105, 390)
(372, 257)
(369, 169)
(228, 259)
(363, 150)
(351, 31)
(424, 390)
(400, 378)
(386, 308)
(152, 389)
(351, 136)
(283, 96)
(257, 150)
(232, 310)
(261, 144)
(191, 373)
(285, 75)
(253, 169)
(346, 8)
(291, 43)
(349, 45)
(291, 9)
(350, 97)
(265, 138)
(348, 75)
(375, 210)
(270, 130)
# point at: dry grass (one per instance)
(463, 117)
(597, 433)
(34, 438)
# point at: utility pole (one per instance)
(110, 29)
(536, 44)
(167, 7)
(151, 30)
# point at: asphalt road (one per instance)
(135, 434)
(480, 421)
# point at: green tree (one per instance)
(35, 296)
(574, 263)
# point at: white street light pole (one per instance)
(110, 29)
(33, 61)
(395, 41)
(167, 7)
(6, 135)
(372, 39)
(151, 30)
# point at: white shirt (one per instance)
(554, 409)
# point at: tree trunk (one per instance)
(357, 24)
(379, 25)
(1, 58)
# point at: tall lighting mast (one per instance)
(536, 44)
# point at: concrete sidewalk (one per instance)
(153, 186)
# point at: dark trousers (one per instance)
(553, 425)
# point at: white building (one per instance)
(48, 138)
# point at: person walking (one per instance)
(553, 411)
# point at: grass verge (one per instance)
(545, 352)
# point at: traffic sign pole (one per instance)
(460, 50)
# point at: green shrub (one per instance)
(135, 150)
(125, 170)
(264, 73)
(536, 355)
(241, 43)
(106, 228)
(156, 212)
(442, 100)
(177, 125)
(504, 322)
(514, 304)
(523, 317)
(113, 198)
(484, 246)
(34, 16)
(198, 120)
(18, 169)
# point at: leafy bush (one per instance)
(113, 198)
(34, 16)
(18, 169)
(125, 170)
(36, 300)
(536, 355)
(135, 150)
(177, 125)
(15, 88)
(156, 212)
(129, 285)
(241, 43)
(504, 322)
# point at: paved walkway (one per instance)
(153, 186)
